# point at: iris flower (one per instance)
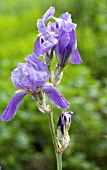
(63, 137)
(30, 78)
(59, 35)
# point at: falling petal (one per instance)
(55, 97)
(12, 107)
(76, 59)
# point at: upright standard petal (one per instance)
(31, 74)
(61, 46)
(37, 63)
(66, 16)
(65, 47)
(41, 22)
(76, 59)
(49, 13)
(10, 110)
(55, 97)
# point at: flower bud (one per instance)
(63, 126)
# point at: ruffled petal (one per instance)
(31, 74)
(41, 26)
(10, 110)
(76, 59)
(37, 63)
(49, 42)
(55, 97)
(49, 13)
(16, 75)
(41, 22)
(66, 16)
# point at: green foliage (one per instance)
(25, 142)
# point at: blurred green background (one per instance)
(25, 142)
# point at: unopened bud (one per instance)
(63, 137)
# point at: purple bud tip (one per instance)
(64, 120)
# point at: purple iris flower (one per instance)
(64, 121)
(30, 78)
(59, 35)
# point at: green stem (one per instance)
(59, 161)
(52, 129)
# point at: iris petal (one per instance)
(49, 42)
(37, 49)
(10, 110)
(41, 22)
(76, 59)
(55, 97)
(49, 13)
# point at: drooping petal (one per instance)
(76, 59)
(55, 97)
(12, 107)
(49, 42)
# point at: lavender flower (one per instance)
(62, 130)
(59, 35)
(30, 78)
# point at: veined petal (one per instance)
(41, 22)
(55, 97)
(10, 110)
(49, 13)
(41, 26)
(76, 59)
(37, 63)
(66, 45)
(48, 43)
(37, 49)
(63, 42)
(66, 16)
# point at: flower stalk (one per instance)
(53, 135)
